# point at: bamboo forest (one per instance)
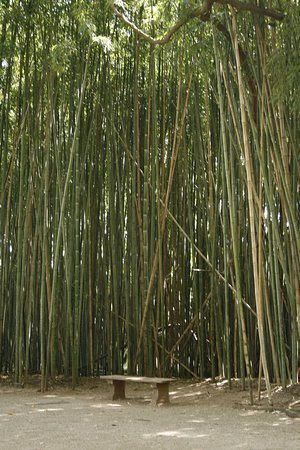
(149, 189)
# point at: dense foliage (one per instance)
(149, 209)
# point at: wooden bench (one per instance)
(119, 382)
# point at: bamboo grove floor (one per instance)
(202, 415)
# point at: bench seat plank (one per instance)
(136, 379)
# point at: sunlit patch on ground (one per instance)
(250, 413)
(106, 405)
(183, 434)
(49, 409)
(196, 421)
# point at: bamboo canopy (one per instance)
(149, 189)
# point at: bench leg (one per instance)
(163, 394)
(119, 390)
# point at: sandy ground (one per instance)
(201, 416)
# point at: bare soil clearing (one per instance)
(201, 416)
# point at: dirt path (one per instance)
(202, 416)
